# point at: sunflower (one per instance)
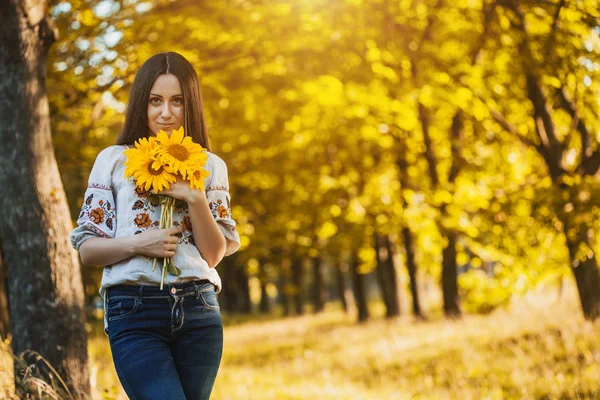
(197, 178)
(180, 153)
(141, 164)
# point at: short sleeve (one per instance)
(98, 211)
(219, 202)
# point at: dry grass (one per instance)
(537, 349)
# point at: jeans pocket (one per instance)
(122, 309)
(209, 299)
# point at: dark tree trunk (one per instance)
(382, 274)
(358, 283)
(235, 294)
(392, 279)
(586, 273)
(44, 278)
(411, 263)
(284, 296)
(244, 304)
(340, 280)
(4, 306)
(227, 296)
(411, 266)
(264, 306)
(449, 278)
(318, 293)
(297, 281)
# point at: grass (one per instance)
(537, 348)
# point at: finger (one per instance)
(175, 229)
(172, 246)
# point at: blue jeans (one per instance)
(166, 344)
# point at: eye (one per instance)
(178, 100)
(155, 100)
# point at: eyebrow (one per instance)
(158, 95)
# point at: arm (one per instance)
(105, 251)
(152, 243)
(209, 240)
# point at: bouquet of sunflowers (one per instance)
(155, 163)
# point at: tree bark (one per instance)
(358, 283)
(44, 278)
(449, 277)
(318, 296)
(386, 275)
(283, 297)
(341, 286)
(297, 280)
(264, 306)
(411, 266)
(380, 270)
(4, 306)
(586, 273)
(244, 302)
(407, 235)
(392, 279)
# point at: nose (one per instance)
(166, 111)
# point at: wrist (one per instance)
(132, 245)
(196, 197)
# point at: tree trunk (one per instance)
(380, 270)
(227, 296)
(318, 295)
(341, 286)
(392, 279)
(284, 297)
(411, 266)
(4, 306)
(358, 282)
(264, 306)
(586, 273)
(244, 302)
(449, 277)
(44, 278)
(297, 281)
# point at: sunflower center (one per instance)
(153, 171)
(179, 152)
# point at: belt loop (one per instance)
(107, 297)
(141, 293)
(197, 290)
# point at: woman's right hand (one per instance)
(156, 242)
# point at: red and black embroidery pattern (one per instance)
(101, 213)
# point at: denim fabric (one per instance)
(165, 344)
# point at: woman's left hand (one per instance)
(181, 190)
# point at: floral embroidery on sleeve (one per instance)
(219, 209)
(103, 214)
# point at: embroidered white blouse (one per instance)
(113, 207)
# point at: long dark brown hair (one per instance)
(136, 116)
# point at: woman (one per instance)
(166, 344)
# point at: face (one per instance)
(165, 105)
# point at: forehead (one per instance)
(166, 85)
